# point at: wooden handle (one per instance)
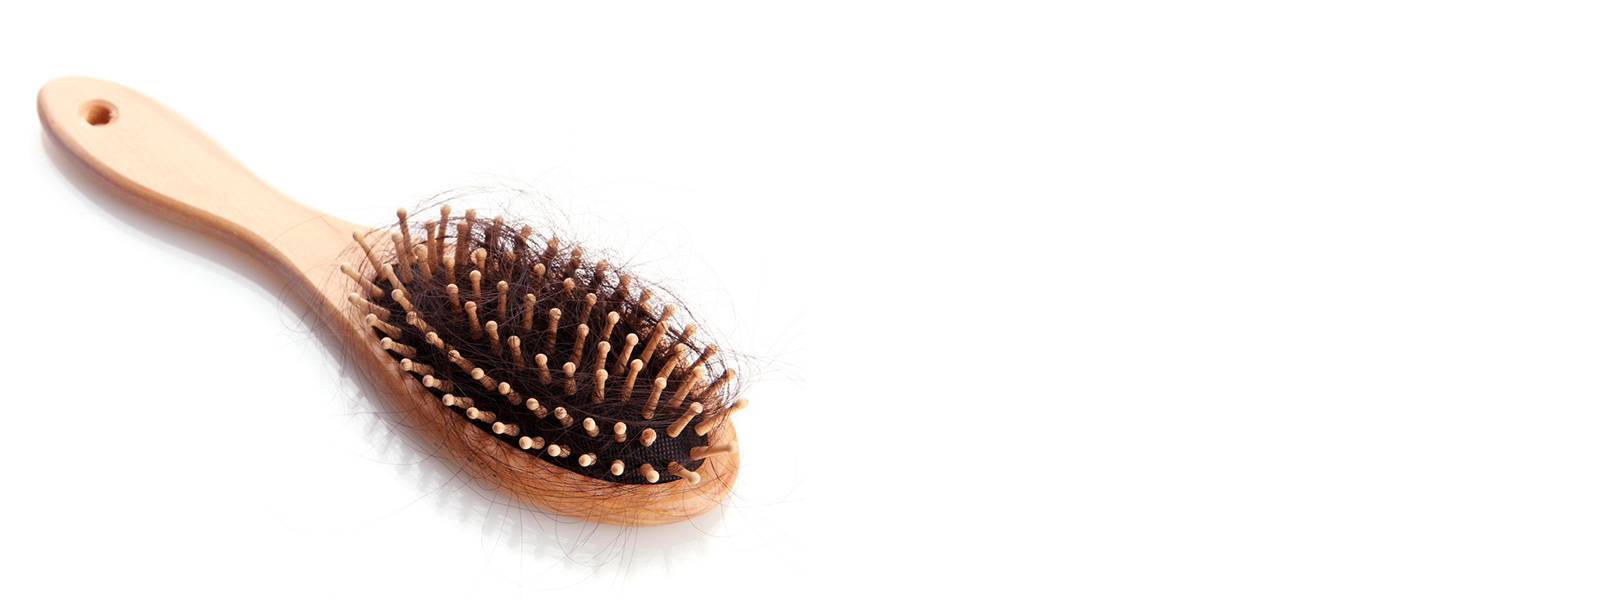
(158, 160)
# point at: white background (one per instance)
(1230, 299)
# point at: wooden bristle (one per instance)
(405, 231)
(463, 244)
(570, 370)
(398, 348)
(633, 375)
(515, 344)
(550, 333)
(537, 409)
(430, 249)
(611, 323)
(492, 329)
(412, 366)
(363, 305)
(672, 361)
(599, 276)
(706, 355)
(619, 431)
(538, 276)
(599, 394)
(649, 473)
(647, 437)
(531, 443)
(388, 273)
(476, 279)
(528, 303)
(481, 415)
(683, 420)
(439, 244)
(617, 468)
(521, 245)
(512, 397)
(455, 356)
(558, 451)
(389, 330)
(697, 453)
(655, 338)
(574, 262)
(561, 415)
(690, 476)
(400, 298)
(601, 350)
(706, 426)
(586, 460)
(588, 305)
(377, 265)
(436, 383)
(550, 250)
(454, 294)
(590, 427)
(420, 253)
(415, 320)
(483, 378)
(627, 349)
(510, 429)
(500, 307)
(621, 295)
(686, 386)
(480, 258)
(655, 395)
(540, 361)
(716, 386)
(577, 344)
(372, 290)
(472, 319)
(402, 253)
(491, 239)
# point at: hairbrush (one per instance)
(544, 373)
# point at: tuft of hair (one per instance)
(549, 349)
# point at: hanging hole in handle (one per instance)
(98, 112)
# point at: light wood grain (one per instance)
(155, 159)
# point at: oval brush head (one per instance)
(546, 376)
(532, 343)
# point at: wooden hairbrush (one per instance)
(543, 373)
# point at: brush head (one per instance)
(553, 356)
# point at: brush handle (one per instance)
(156, 159)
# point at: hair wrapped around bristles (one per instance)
(550, 350)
